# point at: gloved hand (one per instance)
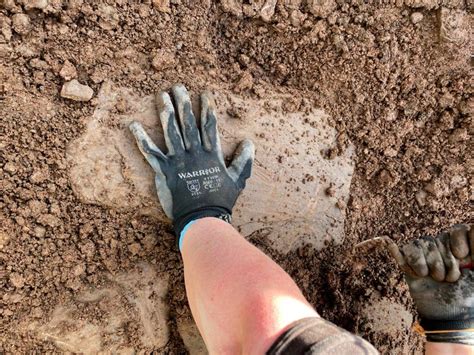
(440, 274)
(192, 180)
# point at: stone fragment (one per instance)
(17, 280)
(416, 17)
(68, 71)
(420, 197)
(233, 7)
(36, 4)
(49, 220)
(245, 82)
(427, 4)
(162, 5)
(268, 10)
(39, 232)
(321, 8)
(108, 17)
(278, 197)
(10, 168)
(21, 23)
(74, 90)
(5, 27)
(454, 26)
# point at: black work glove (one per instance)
(192, 180)
(440, 274)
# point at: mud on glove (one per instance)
(192, 180)
(440, 274)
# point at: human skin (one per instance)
(240, 299)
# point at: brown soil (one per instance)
(395, 78)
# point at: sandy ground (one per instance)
(362, 117)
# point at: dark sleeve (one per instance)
(319, 336)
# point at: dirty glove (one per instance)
(440, 274)
(192, 180)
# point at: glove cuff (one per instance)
(217, 212)
(458, 331)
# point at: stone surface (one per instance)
(286, 195)
(191, 337)
(454, 26)
(135, 297)
(76, 91)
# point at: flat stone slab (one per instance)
(135, 297)
(285, 198)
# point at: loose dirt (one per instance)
(382, 90)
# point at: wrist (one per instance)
(181, 223)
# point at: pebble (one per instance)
(268, 9)
(162, 5)
(21, 23)
(416, 17)
(17, 280)
(68, 71)
(420, 197)
(36, 4)
(10, 168)
(76, 91)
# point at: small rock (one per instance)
(297, 18)
(108, 17)
(245, 82)
(134, 248)
(76, 91)
(49, 220)
(38, 177)
(17, 280)
(268, 10)
(21, 23)
(68, 71)
(437, 188)
(233, 7)
(416, 17)
(330, 191)
(4, 238)
(459, 135)
(39, 232)
(340, 204)
(10, 168)
(390, 152)
(36, 4)
(5, 27)
(78, 270)
(162, 5)
(420, 197)
(321, 8)
(163, 59)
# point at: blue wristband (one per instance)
(183, 232)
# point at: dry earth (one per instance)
(361, 112)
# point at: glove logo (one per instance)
(193, 186)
